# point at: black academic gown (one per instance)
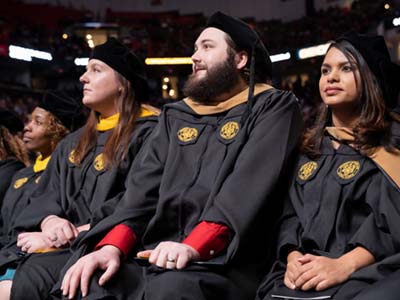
(7, 169)
(75, 193)
(207, 168)
(338, 202)
(23, 184)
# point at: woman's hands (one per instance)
(61, 231)
(306, 272)
(32, 242)
(293, 269)
(316, 272)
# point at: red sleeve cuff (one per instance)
(121, 236)
(208, 239)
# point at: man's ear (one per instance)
(241, 59)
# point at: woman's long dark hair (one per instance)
(375, 122)
(11, 147)
(117, 143)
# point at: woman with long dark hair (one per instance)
(341, 220)
(13, 154)
(86, 175)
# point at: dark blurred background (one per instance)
(45, 44)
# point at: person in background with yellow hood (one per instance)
(49, 123)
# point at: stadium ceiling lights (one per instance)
(168, 61)
(303, 53)
(280, 57)
(81, 61)
(26, 54)
(188, 61)
(314, 51)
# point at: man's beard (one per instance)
(218, 80)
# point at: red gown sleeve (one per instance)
(121, 236)
(208, 239)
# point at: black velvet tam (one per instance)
(374, 51)
(67, 109)
(125, 62)
(11, 121)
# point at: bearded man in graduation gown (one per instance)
(206, 190)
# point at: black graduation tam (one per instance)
(374, 51)
(11, 121)
(67, 109)
(125, 62)
(244, 37)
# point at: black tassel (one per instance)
(250, 96)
